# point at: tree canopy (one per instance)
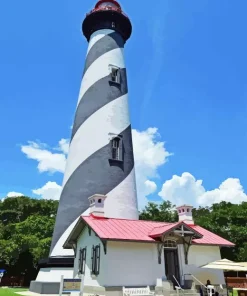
(26, 229)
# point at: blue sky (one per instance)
(187, 77)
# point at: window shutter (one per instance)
(95, 259)
(82, 260)
(84, 257)
(92, 260)
(97, 253)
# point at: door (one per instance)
(172, 265)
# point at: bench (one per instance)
(137, 291)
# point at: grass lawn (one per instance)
(10, 292)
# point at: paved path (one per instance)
(28, 293)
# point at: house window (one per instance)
(95, 260)
(116, 149)
(170, 244)
(115, 74)
(82, 260)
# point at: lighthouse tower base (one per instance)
(50, 272)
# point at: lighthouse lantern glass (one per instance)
(107, 4)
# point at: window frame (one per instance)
(95, 260)
(117, 79)
(170, 244)
(116, 149)
(82, 260)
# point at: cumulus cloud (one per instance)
(48, 161)
(14, 194)
(230, 190)
(149, 153)
(186, 189)
(51, 190)
(64, 146)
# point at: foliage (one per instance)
(225, 219)
(159, 212)
(25, 233)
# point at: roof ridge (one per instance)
(109, 218)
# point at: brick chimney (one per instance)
(185, 214)
(97, 202)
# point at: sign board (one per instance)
(71, 285)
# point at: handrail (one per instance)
(196, 279)
(178, 283)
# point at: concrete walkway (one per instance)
(28, 293)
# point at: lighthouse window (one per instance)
(115, 74)
(107, 4)
(95, 260)
(116, 149)
(82, 260)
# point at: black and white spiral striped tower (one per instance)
(100, 159)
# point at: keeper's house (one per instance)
(112, 253)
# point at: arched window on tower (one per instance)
(116, 149)
(115, 74)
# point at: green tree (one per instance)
(25, 233)
(159, 212)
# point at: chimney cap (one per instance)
(97, 196)
(185, 206)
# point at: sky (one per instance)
(186, 63)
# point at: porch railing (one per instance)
(178, 287)
(202, 286)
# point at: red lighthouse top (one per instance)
(107, 4)
(107, 14)
(104, 5)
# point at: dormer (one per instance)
(97, 202)
(185, 214)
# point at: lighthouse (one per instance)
(100, 158)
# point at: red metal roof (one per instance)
(140, 230)
(159, 230)
(209, 238)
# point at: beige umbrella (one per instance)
(225, 264)
(243, 263)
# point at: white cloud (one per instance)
(186, 189)
(14, 194)
(230, 190)
(47, 160)
(11, 195)
(64, 146)
(51, 190)
(150, 154)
